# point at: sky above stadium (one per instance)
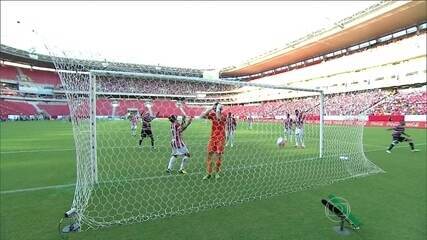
(185, 34)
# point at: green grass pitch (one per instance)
(38, 155)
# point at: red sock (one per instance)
(209, 165)
(218, 165)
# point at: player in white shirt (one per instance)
(250, 120)
(230, 130)
(287, 127)
(133, 123)
(299, 129)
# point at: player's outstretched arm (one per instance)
(186, 124)
(218, 111)
(207, 111)
(150, 109)
(182, 111)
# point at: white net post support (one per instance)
(321, 123)
(92, 129)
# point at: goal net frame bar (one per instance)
(93, 97)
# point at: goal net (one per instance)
(125, 139)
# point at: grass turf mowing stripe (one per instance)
(137, 179)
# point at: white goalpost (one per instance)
(93, 97)
(121, 179)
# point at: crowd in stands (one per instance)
(371, 102)
(404, 103)
(149, 86)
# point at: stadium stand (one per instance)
(104, 107)
(46, 61)
(414, 46)
(55, 109)
(42, 77)
(193, 110)
(8, 107)
(165, 108)
(124, 105)
(158, 86)
(354, 79)
(403, 102)
(407, 102)
(7, 72)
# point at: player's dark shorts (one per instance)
(400, 139)
(146, 133)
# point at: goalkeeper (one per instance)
(217, 139)
(146, 131)
(397, 133)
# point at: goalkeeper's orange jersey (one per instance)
(218, 127)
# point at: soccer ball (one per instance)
(280, 142)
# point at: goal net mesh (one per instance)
(120, 181)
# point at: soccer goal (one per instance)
(123, 179)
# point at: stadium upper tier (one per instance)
(399, 63)
(379, 20)
(15, 55)
(20, 75)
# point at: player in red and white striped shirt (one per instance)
(177, 143)
(231, 128)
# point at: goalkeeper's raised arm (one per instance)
(208, 110)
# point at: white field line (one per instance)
(155, 177)
(38, 150)
(73, 149)
(38, 188)
(54, 150)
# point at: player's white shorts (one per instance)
(180, 151)
(288, 131)
(133, 127)
(299, 131)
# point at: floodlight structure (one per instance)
(341, 209)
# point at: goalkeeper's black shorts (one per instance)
(146, 133)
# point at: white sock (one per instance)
(297, 140)
(302, 140)
(184, 163)
(171, 162)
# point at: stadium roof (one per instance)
(378, 20)
(191, 34)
